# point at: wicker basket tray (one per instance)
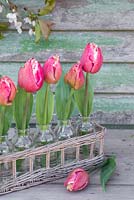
(94, 142)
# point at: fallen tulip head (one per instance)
(78, 179)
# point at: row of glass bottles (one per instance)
(33, 137)
(18, 140)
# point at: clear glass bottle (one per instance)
(23, 141)
(5, 168)
(64, 129)
(87, 126)
(44, 134)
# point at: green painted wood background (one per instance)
(110, 24)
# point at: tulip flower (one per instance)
(52, 70)
(75, 77)
(78, 179)
(7, 91)
(91, 59)
(31, 76)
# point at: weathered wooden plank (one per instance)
(88, 14)
(94, 15)
(114, 118)
(58, 192)
(116, 46)
(114, 109)
(113, 103)
(112, 78)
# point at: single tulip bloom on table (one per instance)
(78, 179)
(7, 91)
(75, 77)
(31, 76)
(52, 70)
(91, 59)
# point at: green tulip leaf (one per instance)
(23, 105)
(79, 96)
(50, 4)
(6, 116)
(106, 171)
(37, 32)
(44, 105)
(64, 100)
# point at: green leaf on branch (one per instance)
(106, 171)
(44, 105)
(23, 108)
(50, 4)
(80, 99)
(64, 100)
(45, 27)
(37, 32)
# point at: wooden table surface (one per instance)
(121, 186)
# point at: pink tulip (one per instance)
(78, 179)
(75, 77)
(91, 59)
(7, 91)
(31, 76)
(52, 70)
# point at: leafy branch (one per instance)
(17, 16)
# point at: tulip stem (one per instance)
(46, 104)
(68, 105)
(86, 95)
(2, 116)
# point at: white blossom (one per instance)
(18, 27)
(27, 20)
(33, 23)
(31, 32)
(1, 8)
(19, 30)
(18, 24)
(12, 17)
